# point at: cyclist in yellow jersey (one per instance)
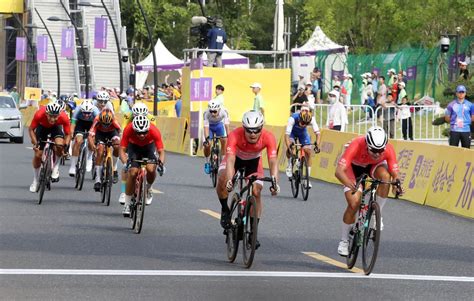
(138, 108)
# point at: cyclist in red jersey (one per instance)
(105, 127)
(140, 140)
(244, 149)
(370, 154)
(48, 120)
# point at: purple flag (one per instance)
(195, 84)
(42, 48)
(20, 54)
(411, 73)
(196, 64)
(194, 133)
(67, 43)
(205, 89)
(100, 33)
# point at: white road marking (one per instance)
(29, 147)
(156, 191)
(197, 273)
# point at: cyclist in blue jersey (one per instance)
(216, 123)
(296, 128)
(81, 122)
(102, 100)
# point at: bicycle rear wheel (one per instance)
(295, 179)
(232, 239)
(214, 166)
(82, 168)
(133, 213)
(108, 182)
(140, 205)
(370, 245)
(353, 250)
(304, 176)
(250, 230)
(94, 172)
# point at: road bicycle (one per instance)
(366, 231)
(81, 162)
(214, 160)
(106, 176)
(243, 218)
(300, 172)
(48, 160)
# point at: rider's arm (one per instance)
(272, 154)
(341, 175)
(344, 164)
(91, 137)
(226, 122)
(32, 127)
(230, 155)
(289, 128)
(123, 155)
(64, 121)
(124, 144)
(229, 167)
(161, 155)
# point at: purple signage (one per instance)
(205, 87)
(42, 48)
(20, 54)
(67, 43)
(337, 73)
(195, 84)
(411, 73)
(194, 133)
(100, 33)
(196, 64)
(376, 71)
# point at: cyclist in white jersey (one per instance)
(216, 123)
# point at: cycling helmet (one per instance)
(141, 124)
(214, 105)
(53, 108)
(87, 107)
(62, 104)
(139, 108)
(376, 138)
(252, 119)
(106, 116)
(103, 96)
(305, 115)
(63, 97)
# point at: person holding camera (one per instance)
(217, 38)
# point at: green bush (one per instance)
(450, 90)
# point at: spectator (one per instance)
(463, 72)
(337, 119)
(298, 99)
(388, 115)
(403, 76)
(391, 77)
(362, 88)
(401, 91)
(460, 115)
(317, 88)
(301, 81)
(177, 107)
(404, 114)
(336, 82)
(395, 90)
(219, 95)
(310, 96)
(382, 92)
(371, 103)
(375, 85)
(347, 89)
(217, 38)
(258, 103)
(15, 95)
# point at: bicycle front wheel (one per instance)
(140, 205)
(214, 166)
(82, 168)
(108, 182)
(370, 245)
(304, 176)
(250, 230)
(353, 250)
(295, 179)
(232, 239)
(42, 181)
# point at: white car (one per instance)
(11, 126)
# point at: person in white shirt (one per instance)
(405, 115)
(219, 95)
(337, 119)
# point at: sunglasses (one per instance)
(461, 92)
(142, 133)
(253, 131)
(376, 151)
(213, 112)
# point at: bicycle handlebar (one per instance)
(365, 177)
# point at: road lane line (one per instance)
(156, 191)
(197, 273)
(331, 261)
(211, 213)
(29, 147)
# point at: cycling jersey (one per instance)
(153, 135)
(108, 105)
(237, 145)
(221, 117)
(294, 129)
(40, 118)
(79, 115)
(97, 126)
(128, 118)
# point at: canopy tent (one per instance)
(231, 60)
(165, 61)
(319, 51)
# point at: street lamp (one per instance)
(88, 4)
(84, 58)
(52, 43)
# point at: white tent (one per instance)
(165, 61)
(231, 60)
(335, 58)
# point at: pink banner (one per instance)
(100, 33)
(42, 48)
(20, 54)
(67, 43)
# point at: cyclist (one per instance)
(297, 128)
(141, 139)
(102, 100)
(81, 122)
(105, 127)
(48, 120)
(244, 149)
(138, 108)
(370, 154)
(216, 123)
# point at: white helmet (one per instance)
(103, 96)
(214, 105)
(376, 138)
(139, 108)
(53, 108)
(141, 124)
(252, 119)
(87, 106)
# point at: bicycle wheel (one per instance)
(304, 179)
(370, 245)
(108, 182)
(250, 231)
(353, 250)
(43, 179)
(133, 213)
(214, 166)
(232, 239)
(102, 183)
(82, 168)
(94, 172)
(295, 179)
(140, 205)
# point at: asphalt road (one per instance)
(73, 248)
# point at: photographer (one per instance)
(216, 40)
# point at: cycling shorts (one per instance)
(42, 133)
(252, 167)
(136, 152)
(217, 129)
(356, 171)
(104, 136)
(302, 137)
(82, 126)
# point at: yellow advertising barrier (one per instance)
(32, 93)
(11, 6)
(28, 114)
(452, 183)
(172, 132)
